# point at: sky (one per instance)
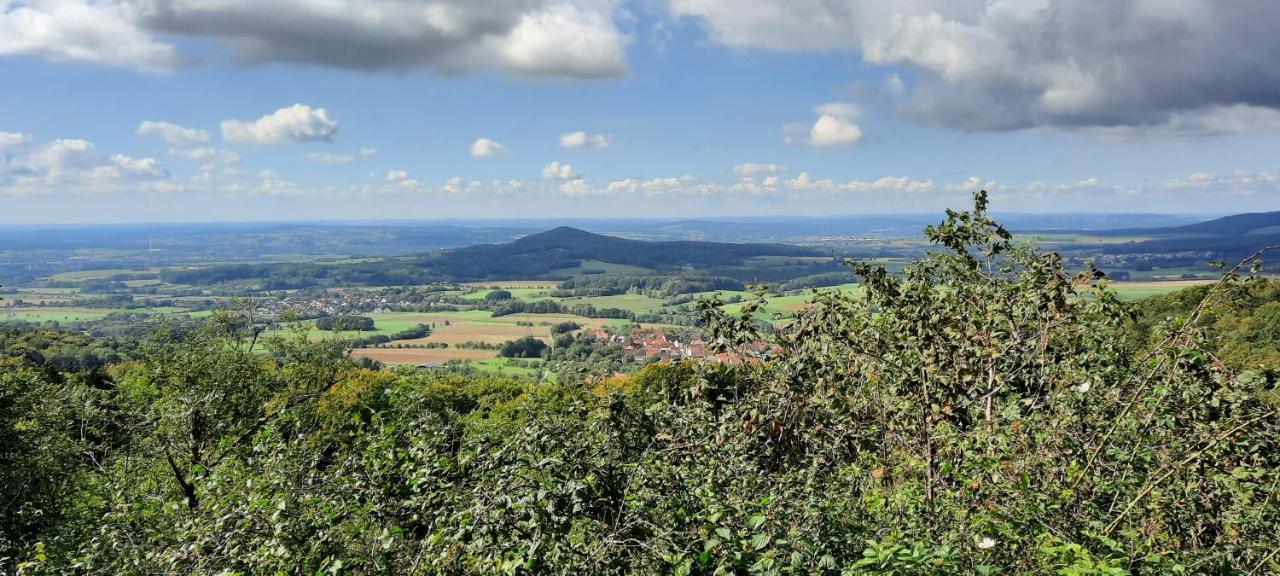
(212, 110)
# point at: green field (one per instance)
(503, 367)
(629, 302)
(598, 267)
(1140, 290)
(41, 315)
(80, 275)
(522, 293)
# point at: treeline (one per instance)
(291, 276)
(510, 307)
(655, 286)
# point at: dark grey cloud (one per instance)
(527, 38)
(1198, 66)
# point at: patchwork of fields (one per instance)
(449, 330)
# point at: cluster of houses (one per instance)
(331, 304)
(643, 344)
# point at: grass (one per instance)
(523, 293)
(415, 356)
(80, 275)
(1139, 290)
(42, 315)
(629, 302)
(505, 367)
(598, 267)
(510, 284)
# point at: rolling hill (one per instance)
(1230, 236)
(563, 248)
(554, 254)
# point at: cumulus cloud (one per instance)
(11, 139)
(563, 40)
(753, 169)
(830, 130)
(577, 187)
(835, 126)
(98, 31)
(1199, 65)
(805, 182)
(484, 148)
(973, 184)
(75, 165)
(558, 171)
(397, 176)
(534, 38)
(579, 140)
(297, 123)
(173, 134)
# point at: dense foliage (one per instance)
(986, 412)
(345, 323)
(527, 347)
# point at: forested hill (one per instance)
(567, 247)
(555, 254)
(1229, 237)
(1254, 224)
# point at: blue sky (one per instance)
(141, 110)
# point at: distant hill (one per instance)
(555, 254)
(1255, 224)
(1229, 237)
(563, 248)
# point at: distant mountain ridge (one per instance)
(1235, 225)
(1228, 237)
(542, 254)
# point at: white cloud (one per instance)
(973, 184)
(1167, 67)
(121, 166)
(64, 154)
(578, 187)
(563, 40)
(98, 31)
(207, 154)
(526, 38)
(805, 182)
(753, 169)
(297, 123)
(11, 139)
(74, 165)
(558, 171)
(578, 140)
(484, 148)
(830, 130)
(397, 176)
(368, 152)
(173, 134)
(834, 126)
(1239, 180)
